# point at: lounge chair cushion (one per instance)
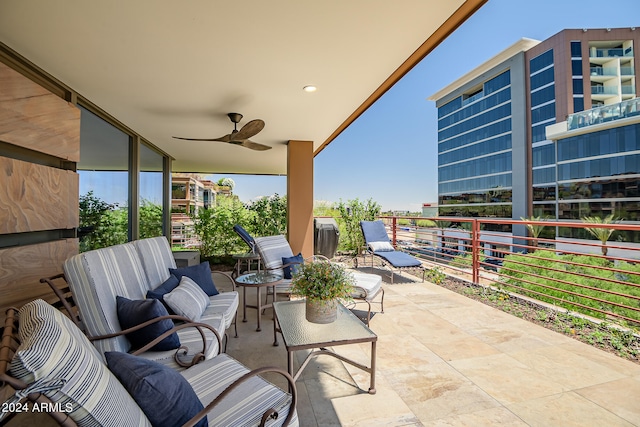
(134, 312)
(201, 274)
(52, 349)
(188, 299)
(399, 259)
(366, 286)
(381, 246)
(166, 398)
(374, 231)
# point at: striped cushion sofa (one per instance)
(56, 366)
(129, 270)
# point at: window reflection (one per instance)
(104, 183)
(150, 203)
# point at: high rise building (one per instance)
(547, 128)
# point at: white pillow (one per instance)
(381, 247)
(188, 299)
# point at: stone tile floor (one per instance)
(446, 360)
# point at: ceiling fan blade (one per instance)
(252, 145)
(226, 138)
(250, 129)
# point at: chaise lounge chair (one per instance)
(378, 244)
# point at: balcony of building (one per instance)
(607, 113)
(471, 348)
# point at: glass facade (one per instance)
(151, 192)
(543, 114)
(104, 183)
(474, 150)
(599, 174)
(107, 214)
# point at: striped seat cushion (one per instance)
(272, 249)
(367, 286)
(224, 304)
(157, 258)
(96, 278)
(245, 405)
(191, 339)
(53, 348)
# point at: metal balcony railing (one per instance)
(611, 53)
(606, 113)
(604, 90)
(562, 264)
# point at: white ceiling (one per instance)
(164, 68)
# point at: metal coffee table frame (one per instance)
(257, 280)
(299, 334)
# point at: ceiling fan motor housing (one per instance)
(235, 117)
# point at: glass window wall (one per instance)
(104, 183)
(151, 193)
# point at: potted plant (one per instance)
(323, 284)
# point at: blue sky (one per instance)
(395, 140)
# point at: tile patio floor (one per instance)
(446, 360)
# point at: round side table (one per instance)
(257, 280)
(245, 260)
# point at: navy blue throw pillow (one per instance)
(170, 284)
(135, 312)
(201, 274)
(289, 270)
(165, 396)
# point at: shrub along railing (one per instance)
(560, 263)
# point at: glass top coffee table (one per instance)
(299, 334)
(257, 280)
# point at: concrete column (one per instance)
(300, 196)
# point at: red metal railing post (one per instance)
(393, 230)
(475, 250)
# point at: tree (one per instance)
(602, 234)
(214, 227)
(268, 216)
(227, 182)
(101, 224)
(534, 229)
(351, 213)
(150, 219)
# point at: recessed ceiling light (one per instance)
(310, 88)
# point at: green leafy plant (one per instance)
(268, 216)
(586, 284)
(351, 213)
(214, 227)
(322, 281)
(101, 224)
(150, 219)
(435, 275)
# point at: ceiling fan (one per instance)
(239, 137)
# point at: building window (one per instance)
(576, 67)
(151, 193)
(576, 50)
(541, 61)
(578, 104)
(578, 86)
(104, 183)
